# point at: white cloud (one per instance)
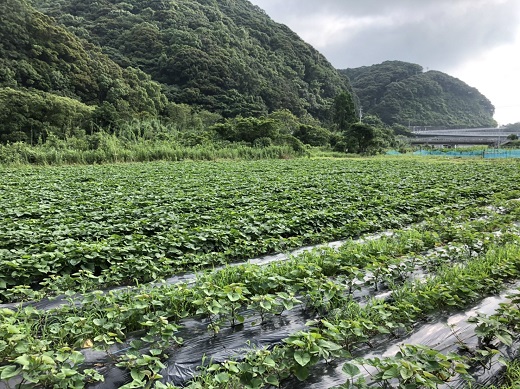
(325, 30)
(496, 74)
(477, 41)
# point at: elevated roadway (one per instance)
(462, 136)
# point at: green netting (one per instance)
(488, 154)
(502, 153)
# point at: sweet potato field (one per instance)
(142, 275)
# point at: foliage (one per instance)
(45, 345)
(414, 366)
(230, 59)
(37, 55)
(247, 130)
(511, 127)
(274, 130)
(351, 324)
(102, 148)
(364, 139)
(30, 116)
(226, 56)
(512, 378)
(401, 93)
(314, 136)
(223, 220)
(344, 112)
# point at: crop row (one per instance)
(104, 319)
(85, 280)
(417, 365)
(351, 325)
(444, 229)
(128, 224)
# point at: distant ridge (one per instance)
(402, 93)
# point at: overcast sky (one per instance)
(477, 41)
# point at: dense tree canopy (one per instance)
(226, 56)
(364, 138)
(31, 115)
(512, 126)
(40, 58)
(343, 112)
(37, 53)
(401, 93)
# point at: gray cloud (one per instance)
(439, 34)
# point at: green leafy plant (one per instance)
(414, 366)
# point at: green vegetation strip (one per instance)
(106, 319)
(351, 325)
(512, 378)
(129, 224)
(421, 366)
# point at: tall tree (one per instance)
(344, 111)
(363, 138)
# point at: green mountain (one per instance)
(402, 93)
(226, 56)
(51, 81)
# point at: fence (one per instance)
(485, 153)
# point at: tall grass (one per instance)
(112, 149)
(512, 377)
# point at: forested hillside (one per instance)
(51, 81)
(202, 72)
(402, 93)
(227, 56)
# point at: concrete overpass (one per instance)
(462, 136)
(454, 141)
